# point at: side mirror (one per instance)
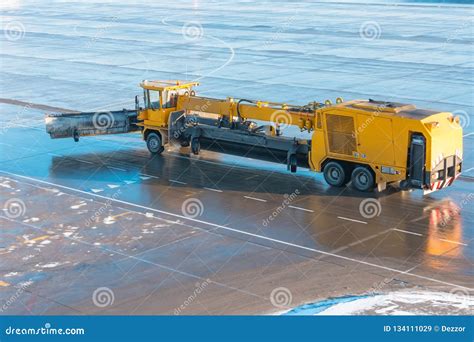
(137, 103)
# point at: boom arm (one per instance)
(242, 109)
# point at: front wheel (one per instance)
(362, 179)
(153, 143)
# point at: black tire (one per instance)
(195, 146)
(153, 143)
(335, 174)
(362, 179)
(293, 163)
(404, 185)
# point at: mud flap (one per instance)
(417, 161)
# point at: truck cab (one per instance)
(160, 100)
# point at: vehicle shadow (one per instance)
(209, 169)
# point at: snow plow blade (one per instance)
(75, 125)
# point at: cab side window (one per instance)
(153, 99)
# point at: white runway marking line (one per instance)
(83, 161)
(349, 219)
(240, 231)
(255, 199)
(457, 243)
(407, 232)
(298, 208)
(115, 168)
(358, 242)
(176, 181)
(211, 189)
(55, 154)
(145, 175)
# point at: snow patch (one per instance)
(109, 220)
(405, 303)
(32, 219)
(77, 206)
(11, 274)
(52, 264)
(6, 184)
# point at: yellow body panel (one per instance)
(446, 138)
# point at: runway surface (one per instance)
(101, 227)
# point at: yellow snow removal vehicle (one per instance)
(365, 142)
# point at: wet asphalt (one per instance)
(102, 227)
